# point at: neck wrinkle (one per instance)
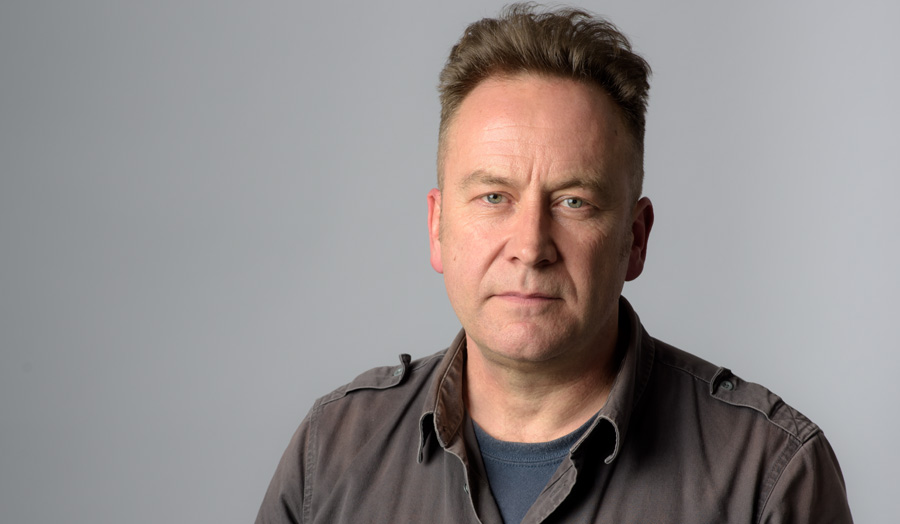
(532, 407)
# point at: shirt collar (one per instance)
(443, 413)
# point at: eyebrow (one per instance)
(480, 177)
(592, 182)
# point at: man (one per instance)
(553, 404)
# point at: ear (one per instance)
(434, 229)
(641, 222)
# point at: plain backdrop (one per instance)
(212, 213)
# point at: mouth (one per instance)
(526, 298)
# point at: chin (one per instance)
(523, 345)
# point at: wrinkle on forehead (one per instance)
(587, 164)
(558, 132)
(513, 103)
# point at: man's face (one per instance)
(534, 229)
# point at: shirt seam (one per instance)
(741, 404)
(777, 474)
(311, 461)
(427, 360)
(691, 373)
(343, 391)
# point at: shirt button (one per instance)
(466, 488)
(727, 385)
(398, 372)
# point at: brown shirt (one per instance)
(679, 440)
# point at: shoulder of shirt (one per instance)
(724, 386)
(388, 377)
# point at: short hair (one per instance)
(567, 43)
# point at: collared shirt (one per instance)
(679, 440)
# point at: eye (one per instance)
(493, 198)
(573, 202)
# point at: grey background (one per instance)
(213, 212)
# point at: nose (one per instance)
(531, 240)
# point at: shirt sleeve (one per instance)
(810, 489)
(284, 499)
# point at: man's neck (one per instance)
(539, 403)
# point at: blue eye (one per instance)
(573, 202)
(493, 198)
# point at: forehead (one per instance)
(538, 124)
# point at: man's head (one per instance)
(566, 43)
(535, 230)
(538, 221)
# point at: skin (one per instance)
(535, 231)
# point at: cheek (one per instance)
(471, 246)
(598, 257)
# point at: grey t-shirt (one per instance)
(518, 471)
